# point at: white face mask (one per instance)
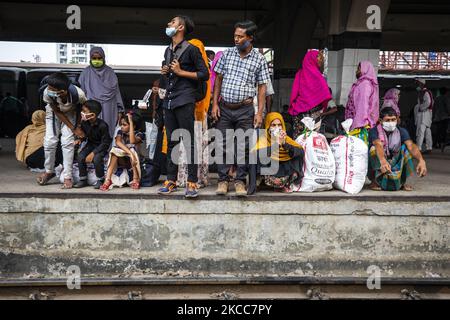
(389, 126)
(275, 131)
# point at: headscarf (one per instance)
(213, 73)
(265, 141)
(363, 104)
(31, 138)
(391, 98)
(392, 142)
(310, 88)
(100, 84)
(201, 107)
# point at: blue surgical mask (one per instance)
(244, 46)
(52, 94)
(170, 32)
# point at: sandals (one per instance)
(107, 185)
(135, 185)
(43, 179)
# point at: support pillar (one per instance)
(295, 23)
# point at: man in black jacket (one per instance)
(184, 68)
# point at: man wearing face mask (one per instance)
(391, 154)
(62, 121)
(100, 83)
(242, 74)
(182, 71)
(423, 112)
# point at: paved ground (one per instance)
(16, 178)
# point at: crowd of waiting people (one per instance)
(89, 126)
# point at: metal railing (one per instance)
(415, 61)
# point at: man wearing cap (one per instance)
(423, 112)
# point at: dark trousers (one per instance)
(98, 161)
(180, 118)
(241, 118)
(442, 127)
(36, 159)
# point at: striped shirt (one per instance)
(241, 76)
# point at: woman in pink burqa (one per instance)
(391, 99)
(310, 93)
(363, 102)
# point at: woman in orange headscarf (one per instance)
(283, 150)
(200, 131)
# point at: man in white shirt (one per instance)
(64, 102)
(423, 112)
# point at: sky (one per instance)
(134, 55)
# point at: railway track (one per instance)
(224, 289)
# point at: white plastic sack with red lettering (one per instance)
(318, 166)
(351, 155)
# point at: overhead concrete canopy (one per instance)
(407, 24)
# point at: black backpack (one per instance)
(200, 92)
(202, 87)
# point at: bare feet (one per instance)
(44, 178)
(68, 184)
(374, 186)
(407, 187)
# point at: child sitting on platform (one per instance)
(125, 152)
(97, 144)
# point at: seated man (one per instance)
(391, 153)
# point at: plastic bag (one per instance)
(319, 168)
(151, 138)
(351, 155)
(91, 177)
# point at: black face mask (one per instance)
(244, 46)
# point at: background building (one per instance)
(74, 53)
